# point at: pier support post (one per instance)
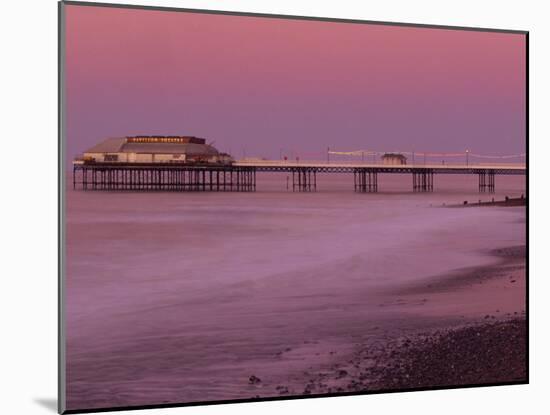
(365, 180)
(254, 173)
(304, 179)
(423, 180)
(486, 181)
(170, 178)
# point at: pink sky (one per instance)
(257, 85)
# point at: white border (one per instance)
(29, 202)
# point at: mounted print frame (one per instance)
(259, 207)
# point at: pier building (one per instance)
(155, 149)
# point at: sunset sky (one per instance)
(260, 86)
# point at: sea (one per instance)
(178, 297)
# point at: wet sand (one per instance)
(485, 345)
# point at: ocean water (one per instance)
(180, 297)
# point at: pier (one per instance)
(240, 176)
(163, 177)
(365, 176)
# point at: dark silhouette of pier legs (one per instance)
(423, 180)
(304, 179)
(486, 181)
(238, 178)
(365, 180)
(172, 178)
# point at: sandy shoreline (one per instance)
(472, 354)
(483, 345)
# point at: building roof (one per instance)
(394, 155)
(121, 145)
(110, 145)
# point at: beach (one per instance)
(485, 346)
(193, 297)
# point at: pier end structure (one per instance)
(169, 163)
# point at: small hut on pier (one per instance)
(394, 159)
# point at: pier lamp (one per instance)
(467, 157)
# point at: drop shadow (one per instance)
(48, 403)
